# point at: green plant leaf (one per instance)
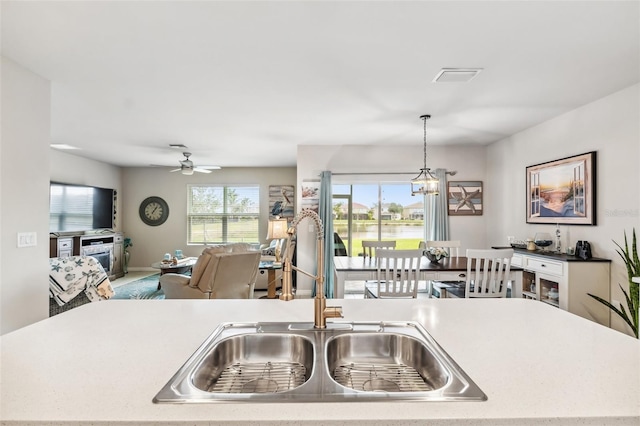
(632, 264)
(621, 314)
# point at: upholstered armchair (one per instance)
(219, 273)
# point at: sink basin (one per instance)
(255, 363)
(293, 362)
(384, 362)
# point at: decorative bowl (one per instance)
(434, 257)
(542, 239)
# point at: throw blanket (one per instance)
(71, 275)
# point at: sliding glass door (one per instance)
(384, 211)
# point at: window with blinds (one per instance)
(223, 214)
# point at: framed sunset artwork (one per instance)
(563, 191)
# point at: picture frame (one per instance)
(281, 201)
(464, 198)
(311, 195)
(562, 191)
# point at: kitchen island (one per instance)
(102, 363)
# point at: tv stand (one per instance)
(107, 247)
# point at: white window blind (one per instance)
(70, 208)
(223, 214)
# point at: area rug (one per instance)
(144, 288)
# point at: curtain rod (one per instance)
(385, 173)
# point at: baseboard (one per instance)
(141, 269)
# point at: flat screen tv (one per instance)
(75, 208)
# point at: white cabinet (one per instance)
(565, 282)
(65, 247)
(118, 255)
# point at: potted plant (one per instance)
(127, 243)
(632, 263)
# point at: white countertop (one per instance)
(102, 363)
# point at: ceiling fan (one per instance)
(187, 167)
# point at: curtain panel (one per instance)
(436, 220)
(326, 215)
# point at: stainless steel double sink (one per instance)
(348, 361)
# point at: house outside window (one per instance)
(219, 214)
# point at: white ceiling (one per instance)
(245, 83)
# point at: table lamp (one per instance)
(277, 230)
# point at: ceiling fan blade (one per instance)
(199, 170)
(175, 170)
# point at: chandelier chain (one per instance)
(424, 119)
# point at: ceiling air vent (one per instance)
(456, 75)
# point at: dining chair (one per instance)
(488, 273)
(452, 247)
(369, 247)
(397, 274)
(491, 269)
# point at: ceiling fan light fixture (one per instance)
(425, 183)
(187, 168)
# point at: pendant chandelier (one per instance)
(425, 183)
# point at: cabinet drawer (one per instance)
(452, 276)
(65, 244)
(516, 260)
(547, 266)
(64, 253)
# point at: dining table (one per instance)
(358, 268)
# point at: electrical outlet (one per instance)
(27, 239)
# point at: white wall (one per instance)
(468, 161)
(24, 195)
(151, 242)
(609, 126)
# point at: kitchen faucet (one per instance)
(321, 310)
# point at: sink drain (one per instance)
(270, 377)
(380, 385)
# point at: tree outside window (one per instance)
(223, 214)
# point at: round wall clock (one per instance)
(154, 211)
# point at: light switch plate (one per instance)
(27, 239)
